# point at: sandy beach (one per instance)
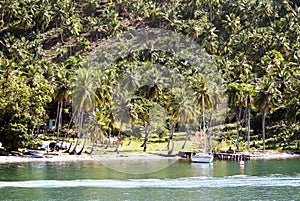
(82, 158)
(124, 156)
(274, 155)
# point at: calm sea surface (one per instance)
(222, 180)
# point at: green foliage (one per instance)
(35, 143)
(23, 96)
(255, 45)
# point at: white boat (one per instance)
(202, 158)
(203, 155)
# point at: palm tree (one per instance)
(235, 96)
(121, 113)
(141, 114)
(187, 110)
(240, 96)
(83, 99)
(203, 101)
(248, 101)
(146, 97)
(97, 127)
(180, 108)
(172, 109)
(62, 94)
(266, 101)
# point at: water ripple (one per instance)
(193, 182)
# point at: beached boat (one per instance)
(202, 158)
(35, 154)
(204, 155)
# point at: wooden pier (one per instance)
(219, 156)
(185, 154)
(232, 156)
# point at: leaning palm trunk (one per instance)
(248, 111)
(170, 151)
(75, 147)
(118, 142)
(188, 133)
(80, 120)
(92, 148)
(237, 117)
(72, 118)
(82, 148)
(56, 119)
(147, 131)
(68, 150)
(169, 139)
(264, 129)
(202, 132)
(59, 119)
(87, 132)
(108, 140)
(208, 135)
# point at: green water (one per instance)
(223, 180)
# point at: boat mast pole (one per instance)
(203, 124)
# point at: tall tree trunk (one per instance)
(80, 122)
(171, 138)
(248, 111)
(203, 124)
(92, 148)
(147, 131)
(237, 118)
(264, 129)
(68, 150)
(74, 149)
(72, 118)
(56, 119)
(208, 135)
(118, 142)
(108, 140)
(81, 150)
(210, 10)
(298, 143)
(59, 119)
(188, 133)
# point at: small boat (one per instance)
(35, 154)
(202, 158)
(204, 155)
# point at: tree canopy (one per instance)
(254, 44)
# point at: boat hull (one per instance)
(202, 158)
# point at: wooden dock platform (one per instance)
(232, 156)
(219, 156)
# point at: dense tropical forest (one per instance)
(254, 45)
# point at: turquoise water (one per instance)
(222, 180)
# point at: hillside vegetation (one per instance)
(253, 44)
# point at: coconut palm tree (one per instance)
(248, 101)
(235, 96)
(83, 99)
(61, 95)
(187, 109)
(203, 100)
(121, 113)
(141, 114)
(180, 108)
(266, 99)
(172, 109)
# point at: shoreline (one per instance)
(83, 158)
(127, 157)
(274, 155)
